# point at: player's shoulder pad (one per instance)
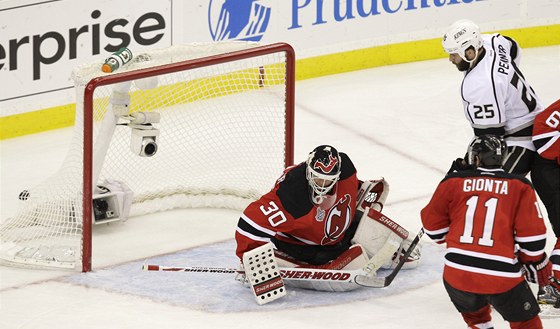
(520, 178)
(459, 174)
(476, 173)
(293, 192)
(347, 169)
(294, 177)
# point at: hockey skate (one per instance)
(549, 300)
(549, 295)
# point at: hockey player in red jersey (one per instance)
(482, 214)
(317, 215)
(546, 133)
(546, 137)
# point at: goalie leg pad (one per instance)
(378, 234)
(375, 230)
(263, 274)
(352, 259)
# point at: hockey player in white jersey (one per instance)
(498, 100)
(496, 97)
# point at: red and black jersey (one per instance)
(491, 224)
(546, 132)
(287, 214)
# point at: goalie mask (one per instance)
(322, 172)
(491, 150)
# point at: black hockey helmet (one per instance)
(491, 150)
(323, 171)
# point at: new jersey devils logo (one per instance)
(338, 220)
(326, 168)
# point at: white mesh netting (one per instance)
(221, 143)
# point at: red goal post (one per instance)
(201, 125)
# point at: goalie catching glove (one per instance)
(372, 194)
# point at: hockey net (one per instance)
(224, 119)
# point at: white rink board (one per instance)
(39, 69)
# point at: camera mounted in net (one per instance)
(144, 135)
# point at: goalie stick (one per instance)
(359, 277)
(287, 273)
(195, 269)
(381, 282)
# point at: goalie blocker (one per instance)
(263, 275)
(377, 243)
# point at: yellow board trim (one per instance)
(199, 89)
(63, 116)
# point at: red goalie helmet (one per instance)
(323, 171)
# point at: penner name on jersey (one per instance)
(504, 62)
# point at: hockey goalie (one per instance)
(319, 216)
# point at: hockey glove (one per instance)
(372, 194)
(554, 282)
(459, 164)
(538, 272)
